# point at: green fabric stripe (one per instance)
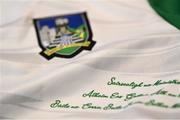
(168, 9)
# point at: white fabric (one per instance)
(133, 44)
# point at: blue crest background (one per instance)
(75, 21)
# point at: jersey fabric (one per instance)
(132, 72)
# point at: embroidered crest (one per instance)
(64, 36)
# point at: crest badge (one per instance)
(64, 36)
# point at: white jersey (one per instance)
(132, 70)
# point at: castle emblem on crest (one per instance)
(64, 36)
